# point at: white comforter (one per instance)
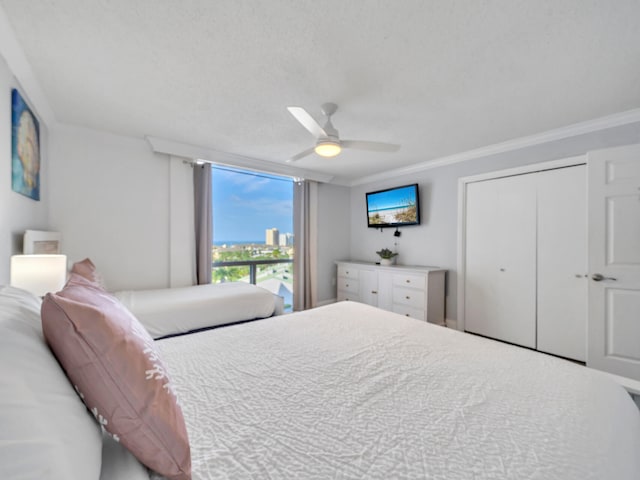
(350, 391)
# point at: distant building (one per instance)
(286, 239)
(272, 236)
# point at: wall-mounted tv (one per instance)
(393, 207)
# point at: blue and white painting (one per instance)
(395, 206)
(25, 148)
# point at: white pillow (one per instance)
(45, 429)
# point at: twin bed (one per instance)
(345, 391)
(174, 311)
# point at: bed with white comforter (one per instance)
(345, 391)
(170, 311)
(348, 391)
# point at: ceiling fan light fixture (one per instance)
(328, 148)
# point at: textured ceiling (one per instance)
(438, 77)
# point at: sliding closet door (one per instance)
(562, 262)
(481, 280)
(500, 280)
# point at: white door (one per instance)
(614, 260)
(500, 281)
(562, 262)
(481, 275)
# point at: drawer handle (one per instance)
(406, 314)
(374, 292)
(408, 281)
(408, 297)
(347, 284)
(347, 272)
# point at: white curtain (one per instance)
(305, 228)
(203, 221)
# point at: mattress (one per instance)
(170, 311)
(348, 391)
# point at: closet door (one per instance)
(500, 280)
(562, 262)
(481, 277)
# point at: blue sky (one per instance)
(245, 205)
(392, 198)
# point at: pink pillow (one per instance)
(112, 362)
(87, 269)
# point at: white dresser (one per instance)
(413, 291)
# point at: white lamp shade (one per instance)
(39, 274)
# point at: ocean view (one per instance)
(252, 223)
(218, 243)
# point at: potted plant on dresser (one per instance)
(387, 257)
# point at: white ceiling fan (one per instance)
(328, 143)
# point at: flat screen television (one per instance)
(393, 207)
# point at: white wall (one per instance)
(334, 231)
(110, 199)
(434, 242)
(17, 212)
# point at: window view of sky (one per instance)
(246, 204)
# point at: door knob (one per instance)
(598, 277)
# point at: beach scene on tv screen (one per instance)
(393, 206)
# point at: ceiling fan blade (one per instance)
(307, 121)
(370, 146)
(303, 154)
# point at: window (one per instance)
(252, 230)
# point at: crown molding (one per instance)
(194, 153)
(13, 54)
(589, 126)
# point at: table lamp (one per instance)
(39, 274)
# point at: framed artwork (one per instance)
(25, 148)
(40, 242)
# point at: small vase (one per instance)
(386, 261)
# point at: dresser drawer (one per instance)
(347, 272)
(408, 296)
(416, 313)
(347, 285)
(408, 280)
